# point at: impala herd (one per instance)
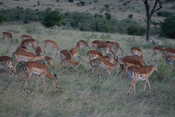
(101, 55)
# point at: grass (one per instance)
(82, 93)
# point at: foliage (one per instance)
(2, 19)
(53, 18)
(136, 30)
(168, 27)
(75, 20)
(165, 14)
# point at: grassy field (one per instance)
(82, 93)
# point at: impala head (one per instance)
(11, 66)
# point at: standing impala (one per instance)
(136, 74)
(41, 70)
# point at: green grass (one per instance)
(82, 93)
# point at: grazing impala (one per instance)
(114, 47)
(66, 58)
(109, 47)
(107, 64)
(24, 36)
(142, 73)
(39, 69)
(25, 56)
(7, 35)
(7, 62)
(104, 62)
(136, 51)
(65, 55)
(129, 61)
(93, 54)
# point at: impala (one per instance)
(39, 69)
(66, 58)
(38, 51)
(104, 62)
(170, 59)
(169, 51)
(142, 73)
(136, 51)
(114, 47)
(129, 61)
(7, 62)
(109, 47)
(74, 52)
(25, 56)
(93, 54)
(7, 35)
(29, 42)
(65, 55)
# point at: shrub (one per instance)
(108, 16)
(168, 27)
(2, 19)
(53, 18)
(135, 30)
(165, 14)
(130, 27)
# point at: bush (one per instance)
(135, 30)
(168, 27)
(53, 18)
(165, 14)
(131, 27)
(75, 20)
(2, 19)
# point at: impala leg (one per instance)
(148, 84)
(28, 78)
(145, 85)
(130, 87)
(134, 86)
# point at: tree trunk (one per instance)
(148, 19)
(148, 28)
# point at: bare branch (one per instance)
(154, 9)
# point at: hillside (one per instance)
(82, 93)
(119, 9)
